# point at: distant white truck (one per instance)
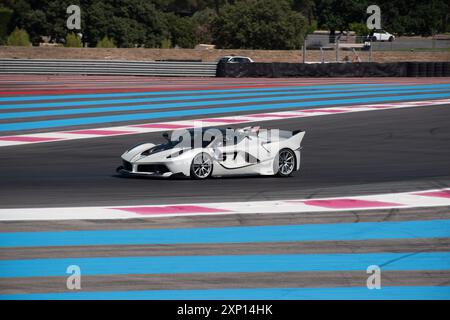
(381, 35)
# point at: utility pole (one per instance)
(337, 49)
(304, 50)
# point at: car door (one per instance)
(238, 151)
(377, 36)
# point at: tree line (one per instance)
(249, 24)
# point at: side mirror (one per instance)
(166, 136)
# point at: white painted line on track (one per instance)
(415, 199)
(205, 122)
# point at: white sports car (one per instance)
(204, 152)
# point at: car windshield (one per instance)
(241, 60)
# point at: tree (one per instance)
(203, 21)
(56, 17)
(18, 37)
(415, 16)
(130, 22)
(166, 44)
(128, 32)
(259, 24)
(338, 14)
(305, 7)
(73, 41)
(106, 43)
(5, 18)
(359, 28)
(182, 31)
(228, 23)
(36, 22)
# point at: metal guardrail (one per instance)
(108, 67)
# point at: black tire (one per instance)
(391, 39)
(199, 164)
(288, 168)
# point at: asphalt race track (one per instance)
(343, 155)
(353, 154)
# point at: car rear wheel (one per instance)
(286, 163)
(201, 166)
